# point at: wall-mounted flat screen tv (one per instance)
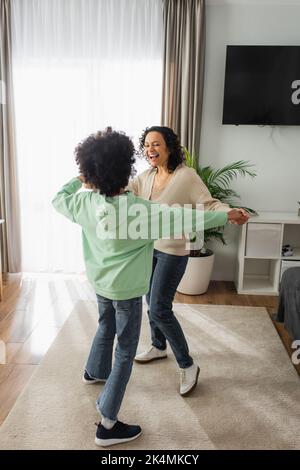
(262, 85)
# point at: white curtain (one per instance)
(78, 66)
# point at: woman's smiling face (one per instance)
(155, 149)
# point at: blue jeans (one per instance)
(167, 271)
(121, 318)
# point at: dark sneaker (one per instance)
(87, 379)
(119, 433)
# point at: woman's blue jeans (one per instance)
(167, 271)
(121, 318)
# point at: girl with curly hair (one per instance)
(117, 266)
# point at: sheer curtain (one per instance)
(78, 66)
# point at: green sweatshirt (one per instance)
(119, 232)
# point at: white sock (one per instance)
(108, 423)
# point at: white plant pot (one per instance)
(197, 275)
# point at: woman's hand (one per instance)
(238, 216)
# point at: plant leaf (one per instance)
(218, 183)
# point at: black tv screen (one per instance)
(262, 85)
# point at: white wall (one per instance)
(275, 151)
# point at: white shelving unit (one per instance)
(259, 263)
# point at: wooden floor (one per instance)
(36, 306)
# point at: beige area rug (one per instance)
(248, 395)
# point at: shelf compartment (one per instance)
(263, 240)
(291, 236)
(261, 276)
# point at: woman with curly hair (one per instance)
(170, 181)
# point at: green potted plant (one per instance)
(199, 268)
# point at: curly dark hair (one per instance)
(105, 160)
(173, 144)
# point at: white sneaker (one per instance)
(152, 354)
(188, 379)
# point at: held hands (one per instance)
(238, 216)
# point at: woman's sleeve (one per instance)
(200, 195)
